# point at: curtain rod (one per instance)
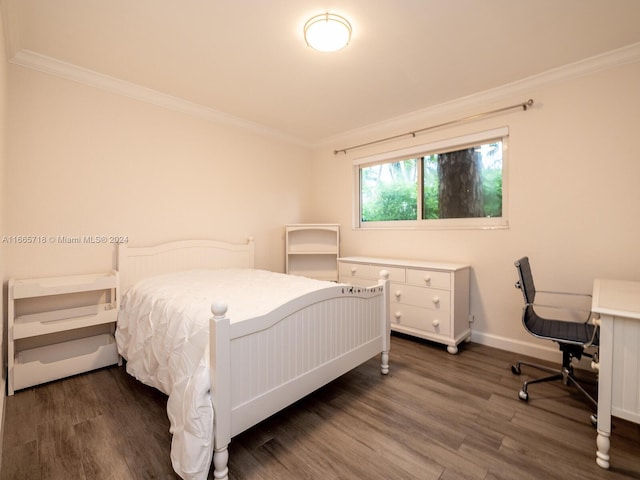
(524, 106)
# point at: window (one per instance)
(457, 183)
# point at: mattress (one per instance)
(163, 333)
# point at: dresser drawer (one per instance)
(424, 319)
(395, 274)
(355, 270)
(429, 278)
(431, 298)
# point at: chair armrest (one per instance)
(588, 295)
(566, 309)
(557, 303)
(561, 307)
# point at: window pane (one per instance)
(492, 178)
(389, 191)
(446, 184)
(465, 183)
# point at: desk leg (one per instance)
(605, 383)
(602, 455)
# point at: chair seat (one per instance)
(564, 331)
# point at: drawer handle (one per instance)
(398, 315)
(436, 300)
(436, 323)
(398, 293)
(353, 270)
(427, 279)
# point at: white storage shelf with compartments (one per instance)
(60, 326)
(429, 300)
(312, 250)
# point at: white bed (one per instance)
(255, 349)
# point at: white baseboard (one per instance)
(550, 353)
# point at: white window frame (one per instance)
(478, 138)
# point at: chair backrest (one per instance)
(525, 282)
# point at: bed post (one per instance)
(220, 371)
(386, 323)
(121, 266)
(251, 247)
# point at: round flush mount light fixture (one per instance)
(327, 32)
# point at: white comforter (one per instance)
(163, 333)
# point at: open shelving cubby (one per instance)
(312, 250)
(60, 326)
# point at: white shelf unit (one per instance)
(312, 250)
(60, 326)
(429, 300)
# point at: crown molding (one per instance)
(52, 66)
(11, 21)
(68, 71)
(591, 65)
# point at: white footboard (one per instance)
(262, 365)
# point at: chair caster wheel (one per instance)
(515, 369)
(594, 419)
(522, 395)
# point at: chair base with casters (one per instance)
(572, 338)
(565, 374)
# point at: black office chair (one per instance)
(571, 336)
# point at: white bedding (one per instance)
(163, 333)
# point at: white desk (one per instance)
(618, 303)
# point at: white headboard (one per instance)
(136, 263)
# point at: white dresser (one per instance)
(429, 300)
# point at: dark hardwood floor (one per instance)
(435, 416)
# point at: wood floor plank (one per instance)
(242, 464)
(20, 462)
(59, 452)
(398, 434)
(50, 401)
(136, 416)
(398, 453)
(20, 419)
(81, 399)
(100, 451)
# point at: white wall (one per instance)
(574, 199)
(83, 161)
(3, 149)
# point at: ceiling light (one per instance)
(327, 32)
